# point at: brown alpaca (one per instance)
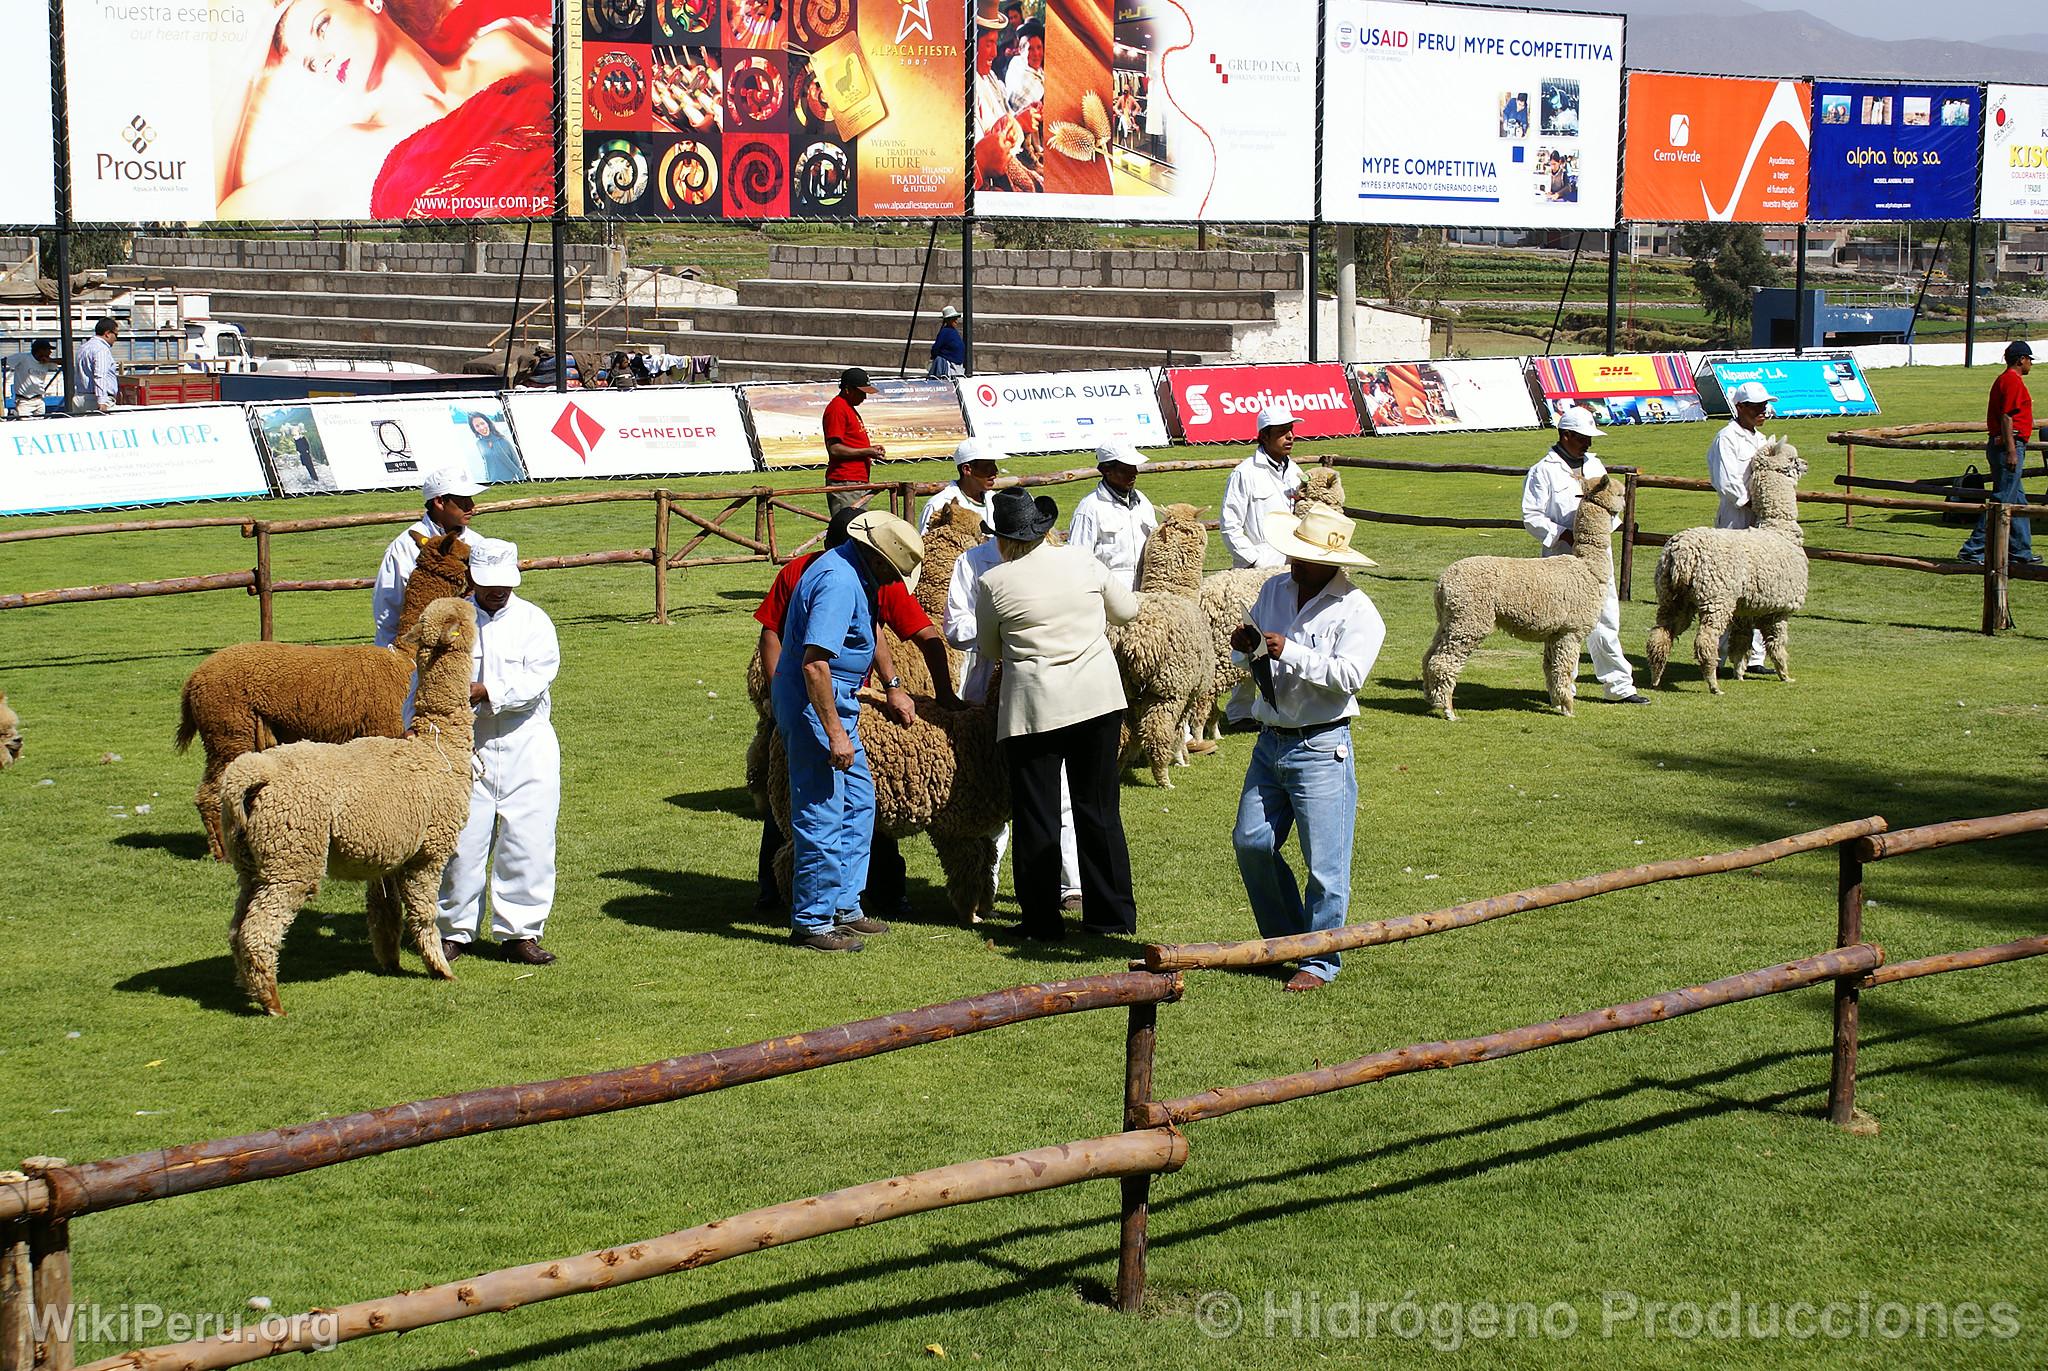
(383, 810)
(10, 735)
(256, 695)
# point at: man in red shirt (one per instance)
(847, 449)
(2009, 420)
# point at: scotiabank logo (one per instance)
(578, 431)
(1198, 405)
(1222, 404)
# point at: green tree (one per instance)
(1728, 264)
(91, 249)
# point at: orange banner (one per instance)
(1715, 149)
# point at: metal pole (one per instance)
(1848, 1009)
(1799, 295)
(1315, 245)
(65, 339)
(910, 334)
(559, 229)
(1613, 286)
(1347, 293)
(560, 220)
(1564, 294)
(518, 298)
(967, 288)
(1970, 305)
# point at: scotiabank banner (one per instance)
(1064, 411)
(653, 431)
(1715, 149)
(1222, 404)
(154, 456)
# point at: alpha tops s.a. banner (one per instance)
(1452, 114)
(28, 194)
(310, 109)
(909, 420)
(1442, 397)
(1717, 149)
(155, 456)
(1644, 388)
(650, 431)
(1064, 411)
(317, 447)
(1892, 151)
(2015, 182)
(1222, 404)
(1144, 109)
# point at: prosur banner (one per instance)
(1064, 411)
(1449, 114)
(2015, 184)
(130, 457)
(652, 431)
(318, 447)
(28, 194)
(1442, 397)
(1892, 151)
(1717, 149)
(1222, 404)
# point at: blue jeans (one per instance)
(2007, 489)
(831, 815)
(1307, 783)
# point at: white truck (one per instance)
(161, 330)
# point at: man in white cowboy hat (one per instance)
(1114, 519)
(1550, 506)
(949, 349)
(1728, 459)
(1267, 482)
(975, 460)
(516, 793)
(450, 497)
(1308, 641)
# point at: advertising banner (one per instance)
(2015, 184)
(1646, 388)
(908, 419)
(821, 109)
(1893, 151)
(1715, 149)
(318, 447)
(1064, 411)
(153, 456)
(1440, 397)
(1805, 387)
(28, 195)
(1222, 404)
(1449, 114)
(1144, 109)
(650, 431)
(307, 110)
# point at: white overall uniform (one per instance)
(1115, 532)
(1728, 459)
(1255, 489)
(1550, 505)
(387, 596)
(517, 790)
(952, 494)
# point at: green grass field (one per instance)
(1685, 1163)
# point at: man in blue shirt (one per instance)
(828, 647)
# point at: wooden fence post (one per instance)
(768, 509)
(661, 506)
(49, 1255)
(265, 608)
(1628, 534)
(1997, 548)
(1139, 1039)
(17, 1300)
(908, 490)
(1842, 1112)
(1849, 483)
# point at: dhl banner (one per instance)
(1715, 149)
(1644, 388)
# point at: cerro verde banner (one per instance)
(908, 419)
(130, 457)
(1222, 404)
(1643, 388)
(2015, 182)
(650, 431)
(1064, 411)
(1452, 114)
(306, 109)
(28, 194)
(1893, 151)
(1717, 149)
(1802, 387)
(1443, 397)
(318, 447)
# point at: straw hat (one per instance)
(1322, 536)
(896, 540)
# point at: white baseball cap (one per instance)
(977, 450)
(1751, 393)
(1121, 451)
(493, 562)
(1579, 419)
(450, 481)
(1274, 416)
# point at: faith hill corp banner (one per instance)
(1715, 149)
(2015, 181)
(322, 446)
(1144, 109)
(1444, 397)
(650, 431)
(1064, 411)
(195, 111)
(28, 195)
(1442, 114)
(1892, 152)
(131, 457)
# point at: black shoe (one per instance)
(1106, 930)
(862, 925)
(451, 950)
(1636, 699)
(1049, 933)
(834, 941)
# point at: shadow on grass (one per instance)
(189, 846)
(315, 949)
(1470, 697)
(694, 902)
(736, 800)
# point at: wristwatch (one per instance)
(893, 683)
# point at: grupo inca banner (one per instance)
(1893, 151)
(319, 446)
(1222, 404)
(1714, 149)
(1440, 397)
(648, 431)
(2015, 181)
(815, 109)
(28, 194)
(1452, 114)
(1644, 388)
(310, 109)
(1144, 109)
(1064, 411)
(908, 419)
(153, 456)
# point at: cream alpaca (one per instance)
(1164, 654)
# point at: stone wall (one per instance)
(1070, 269)
(335, 254)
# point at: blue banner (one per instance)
(1885, 151)
(1803, 387)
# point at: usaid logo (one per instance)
(1347, 37)
(137, 136)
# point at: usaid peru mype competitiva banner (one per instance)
(28, 195)
(1714, 149)
(1437, 114)
(2015, 181)
(1891, 151)
(1064, 411)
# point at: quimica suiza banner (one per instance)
(310, 109)
(1452, 114)
(2015, 180)
(649, 431)
(129, 457)
(320, 446)
(1715, 149)
(1447, 396)
(28, 193)
(1064, 411)
(1889, 151)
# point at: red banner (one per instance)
(1222, 404)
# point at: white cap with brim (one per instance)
(493, 562)
(1125, 454)
(1579, 419)
(977, 450)
(450, 481)
(1275, 416)
(1751, 393)
(1322, 536)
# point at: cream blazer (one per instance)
(1046, 614)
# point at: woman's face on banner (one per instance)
(480, 426)
(332, 49)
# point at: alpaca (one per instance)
(10, 735)
(383, 810)
(255, 695)
(1164, 654)
(1551, 600)
(1737, 579)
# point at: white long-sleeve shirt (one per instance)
(1550, 499)
(1256, 488)
(953, 495)
(387, 596)
(1728, 460)
(517, 657)
(1332, 642)
(962, 627)
(1114, 531)
(99, 376)
(30, 383)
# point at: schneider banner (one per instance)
(1441, 397)
(130, 457)
(1222, 404)
(2015, 184)
(28, 195)
(1646, 388)
(1448, 114)
(1803, 387)
(650, 431)
(1893, 151)
(909, 420)
(1064, 411)
(1144, 109)
(1714, 149)
(318, 447)
(302, 109)
(817, 109)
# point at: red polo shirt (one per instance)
(2009, 395)
(897, 606)
(843, 425)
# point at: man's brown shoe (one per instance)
(526, 951)
(862, 925)
(451, 949)
(827, 942)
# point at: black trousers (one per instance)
(1089, 752)
(887, 878)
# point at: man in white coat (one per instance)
(1114, 519)
(1734, 448)
(1550, 506)
(451, 497)
(976, 460)
(516, 792)
(1267, 482)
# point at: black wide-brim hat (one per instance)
(1022, 518)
